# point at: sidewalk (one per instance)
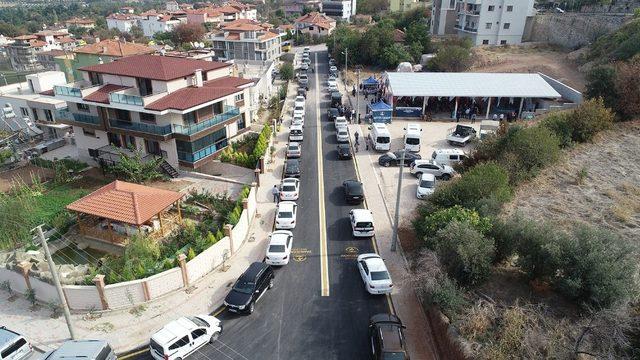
(405, 302)
(138, 323)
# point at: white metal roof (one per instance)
(470, 84)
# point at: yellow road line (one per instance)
(324, 260)
(217, 312)
(130, 355)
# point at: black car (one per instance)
(332, 113)
(353, 191)
(344, 151)
(387, 337)
(302, 92)
(336, 98)
(393, 158)
(249, 287)
(292, 168)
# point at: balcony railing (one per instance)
(126, 99)
(230, 112)
(67, 91)
(140, 127)
(466, 28)
(81, 118)
(202, 153)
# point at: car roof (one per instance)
(7, 335)
(292, 162)
(295, 144)
(352, 182)
(343, 146)
(385, 318)
(425, 161)
(341, 117)
(252, 272)
(286, 206)
(279, 237)
(362, 214)
(289, 180)
(427, 177)
(78, 349)
(375, 263)
(449, 151)
(295, 127)
(175, 329)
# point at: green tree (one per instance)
(418, 33)
(590, 118)
(601, 84)
(187, 33)
(451, 58)
(136, 169)
(286, 71)
(428, 224)
(393, 55)
(527, 150)
(626, 83)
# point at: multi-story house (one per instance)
(233, 11)
(339, 9)
(47, 58)
(315, 24)
(443, 17)
(403, 5)
(497, 22)
(153, 22)
(246, 40)
(184, 110)
(23, 52)
(203, 16)
(122, 22)
(80, 22)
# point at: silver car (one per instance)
(294, 150)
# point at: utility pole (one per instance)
(357, 85)
(394, 236)
(56, 281)
(346, 66)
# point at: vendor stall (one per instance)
(370, 85)
(379, 112)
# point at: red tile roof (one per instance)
(193, 96)
(54, 52)
(115, 48)
(228, 9)
(102, 94)
(163, 68)
(317, 19)
(79, 21)
(122, 17)
(25, 37)
(126, 202)
(228, 81)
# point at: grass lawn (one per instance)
(53, 201)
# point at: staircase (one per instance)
(168, 170)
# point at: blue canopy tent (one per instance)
(369, 85)
(380, 112)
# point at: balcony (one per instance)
(78, 89)
(141, 128)
(65, 116)
(470, 12)
(202, 153)
(466, 28)
(229, 112)
(132, 97)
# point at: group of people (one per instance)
(347, 112)
(469, 113)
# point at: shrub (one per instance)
(558, 123)
(507, 234)
(488, 180)
(5, 155)
(432, 223)
(601, 84)
(30, 295)
(626, 83)
(538, 248)
(135, 169)
(191, 254)
(448, 296)
(286, 71)
(465, 252)
(526, 151)
(588, 119)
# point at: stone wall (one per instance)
(572, 30)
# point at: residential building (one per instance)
(246, 11)
(122, 22)
(498, 22)
(127, 10)
(246, 40)
(203, 16)
(80, 22)
(184, 110)
(172, 6)
(315, 24)
(339, 9)
(28, 106)
(101, 52)
(23, 53)
(47, 58)
(152, 22)
(403, 5)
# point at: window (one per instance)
(144, 86)
(180, 343)
(509, 8)
(104, 353)
(83, 107)
(364, 267)
(114, 139)
(239, 97)
(242, 123)
(487, 26)
(129, 141)
(24, 111)
(89, 132)
(95, 78)
(123, 115)
(503, 42)
(506, 25)
(189, 118)
(152, 147)
(48, 115)
(13, 348)
(491, 8)
(35, 114)
(146, 117)
(485, 42)
(197, 333)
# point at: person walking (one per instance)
(467, 111)
(276, 194)
(458, 115)
(473, 118)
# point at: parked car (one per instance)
(299, 101)
(294, 150)
(443, 172)
(289, 189)
(386, 334)
(297, 121)
(279, 249)
(181, 338)
(340, 121)
(302, 92)
(333, 69)
(361, 223)
(295, 133)
(85, 349)
(461, 135)
(374, 273)
(336, 99)
(13, 346)
(344, 151)
(298, 110)
(331, 82)
(342, 134)
(448, 156)
(353, 191)
(286, 215)
(249, 287)
(332, 114)
(426, 186)
(393, 158)
(303, 80)
(304, 66)
(292, 168)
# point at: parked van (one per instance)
(412, 137)
(380, 137)
(82, 349)
(295, 133)
(181, 338)
(13, 346)
(361, 222)
(448, 156)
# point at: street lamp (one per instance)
(346, 57)
(394, 236)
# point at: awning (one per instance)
(370, 81)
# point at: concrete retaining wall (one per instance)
(573, 30)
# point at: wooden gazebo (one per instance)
(121, 209)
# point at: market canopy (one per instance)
(126, 202)
(380, 106)
(370, 81)
(469, 85)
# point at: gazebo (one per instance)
(120, 209)
(380, 112)
(370, 85)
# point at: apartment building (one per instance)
(203, 16)
(315, 24)
(23, 53)
(153, 22)
(246, 39)
(496, 22)
(184, 110)
(122, 22)
(339, 9)
(403, 5)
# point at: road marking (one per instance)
(324, 260)
(135, 353)
(300, 254)
(217, 312)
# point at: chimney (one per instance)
(197, 76)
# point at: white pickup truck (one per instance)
(461, 135)
(488, 128)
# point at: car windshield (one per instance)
(393, 355)
(355, 190)
(342, 133)
(245, 287)
(382, 140)
(299, 108)
(292, 167)
(427, 183)
(288, 188)
(198, 321)
(364, 224)
(413, 141)
(379, 275)
(285, 215)
(293, 148)
(276, 248)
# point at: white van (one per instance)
(448, 156)
(380, 137)
(82, 349)
(412, 137)
(13, 346)
(361, 222)
(181, 338)
(295, 133)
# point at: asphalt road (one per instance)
(303, 317)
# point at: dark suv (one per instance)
(387, 337)
(292, 168)
(249, 287)
(353, 191)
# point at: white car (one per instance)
(332, 89)
(298, 120)
(333, 69)
(342, 134)
(298, 110)
(426, 186)
(279, 249)
(289, 189)
(299, 101)
(304, 66)
(375, 275)
(181, 338)
(332, 82)
(340, 121)
(286, 215)
(444, 172)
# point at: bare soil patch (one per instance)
(24, 174)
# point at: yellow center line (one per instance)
(324, 260)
